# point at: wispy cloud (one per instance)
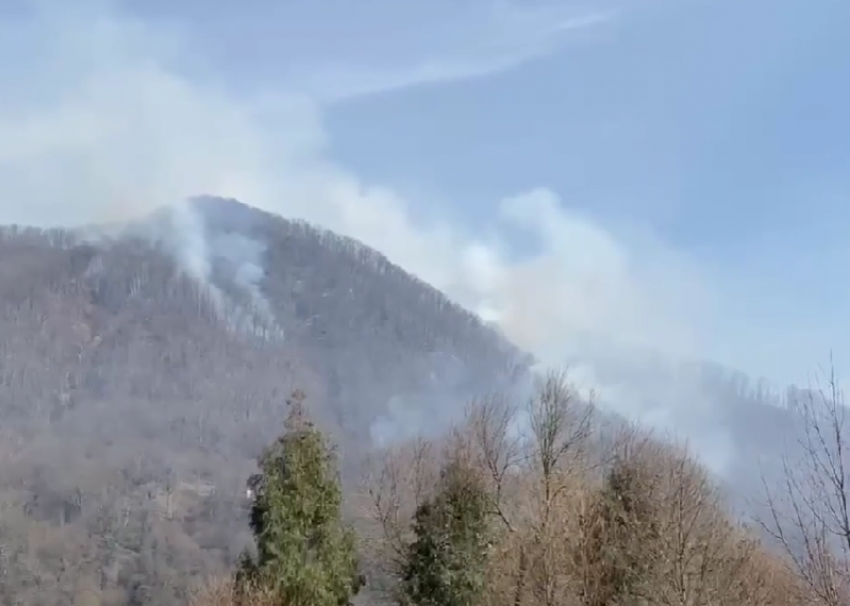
(506, 39)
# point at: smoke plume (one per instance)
(107, 124)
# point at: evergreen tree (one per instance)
(447, 560)
(305, 554)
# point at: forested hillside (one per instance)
(131, 410)
(143, 369)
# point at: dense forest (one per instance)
(144, 369)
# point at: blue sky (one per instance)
(671, 174)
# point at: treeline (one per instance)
(533, 505)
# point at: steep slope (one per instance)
(142, 369)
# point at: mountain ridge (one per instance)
(120, 385)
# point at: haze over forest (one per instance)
(394, 228)
(148, 365)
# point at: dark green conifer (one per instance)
(446, 564)
(305, 553)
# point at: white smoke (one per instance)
(197, 248)
(183, 229)
(106, 125)
(244, 255)
(191, 249)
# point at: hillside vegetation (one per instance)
(131, 412)
(524, 505)
(139, 386)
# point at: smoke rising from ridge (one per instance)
(197, 246)
(105, 126)
(191, 246)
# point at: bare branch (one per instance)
(808, 513)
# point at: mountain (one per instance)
(143, 366)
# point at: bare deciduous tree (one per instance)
(700, 553)
(808, 507)
(645, 524)
(530, 458)
(400, 479)
(660, 533)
